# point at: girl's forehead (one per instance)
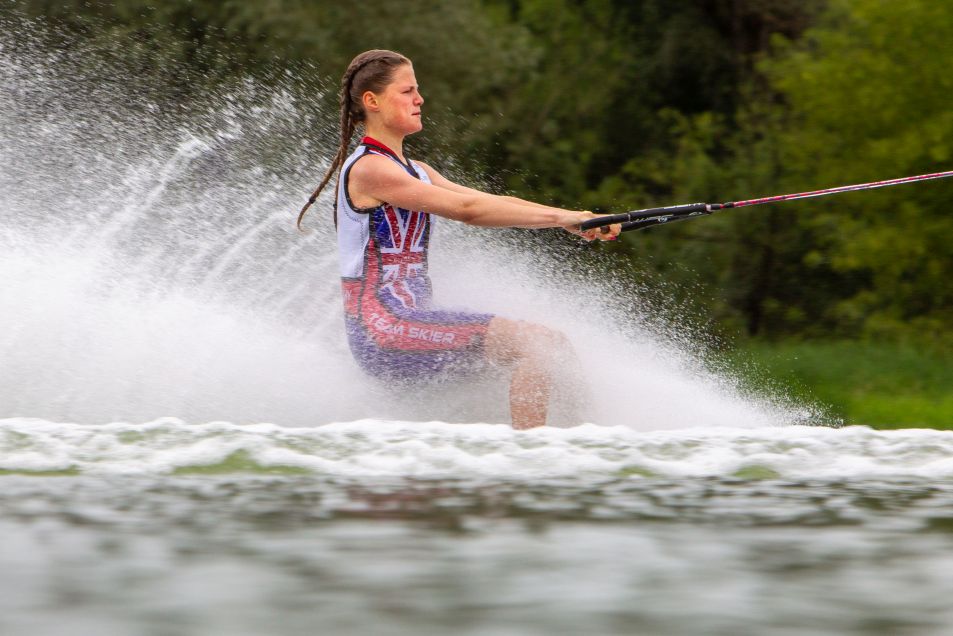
(404, 74)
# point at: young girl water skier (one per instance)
(384, 214)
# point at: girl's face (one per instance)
(399, 104)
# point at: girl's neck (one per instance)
(394, 142)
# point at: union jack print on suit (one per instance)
(393, 329)
(402, 237)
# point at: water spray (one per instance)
(169, 280)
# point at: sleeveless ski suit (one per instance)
(392, 328)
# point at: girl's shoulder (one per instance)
(424, 171)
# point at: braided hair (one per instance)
(370, 71)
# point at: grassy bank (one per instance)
(877, 384)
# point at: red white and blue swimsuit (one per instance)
(392, 328)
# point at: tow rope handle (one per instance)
(639, 219)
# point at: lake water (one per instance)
(187, 447)
(377, 527)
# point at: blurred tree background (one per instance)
(617, 104)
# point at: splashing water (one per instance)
(151, 268)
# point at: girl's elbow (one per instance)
(469, 212)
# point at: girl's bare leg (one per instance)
(533, 351)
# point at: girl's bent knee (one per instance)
(511, 341)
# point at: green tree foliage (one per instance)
(557, 123)
(710, 135)
(868, 92)
(463, 53)
(860, 96)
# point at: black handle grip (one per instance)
(641, 224)
(634, 215)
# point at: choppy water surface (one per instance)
(407, 528)
(157, 307)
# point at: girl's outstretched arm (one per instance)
(439, 180)
(374, 180)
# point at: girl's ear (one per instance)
(370, 101)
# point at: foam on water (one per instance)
(151, 269)
(436, 450)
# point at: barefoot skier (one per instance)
(384, 212)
